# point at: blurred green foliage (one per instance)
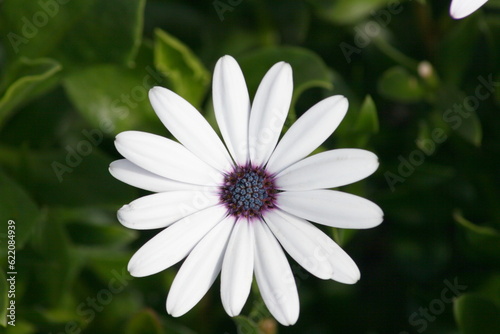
(424, 93)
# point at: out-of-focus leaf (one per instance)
(359, 125)
(367, 121)
(186, 73)
(424, 137)
(73, 32)
(483, 238)
(115, 99)
(145, 322)
(16, 205)
(24, 81)
(94, 228)
(22, 327)
(347, 11)
(95, 235)
(454, 115)
(58, 265)
(246, 325)
(399, 85)
(475, 314)
(67, 177)
(462, 40)
(471, 130)
(497, 91)
(343, 236)
(490, 288)
(309, 70)
(4, 301)
(293, 20)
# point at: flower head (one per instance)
(462, 8)
(233, 211)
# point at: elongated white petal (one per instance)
(328, 170)
(136, 176)
(274, 277)
(462, 8)
(269, 109)
(308, 132)
(174, 243)
(199, 271)
(162, 209)
(232, 107)
(331, 208)
(237, 268)
(190, 128)
(166, 158)
(311, 248)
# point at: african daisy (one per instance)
(232, 209)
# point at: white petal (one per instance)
(237, 268)
(462, 8)
(190, 128)
(274, 277)
(311, 248)
(162, 209)
(166, 158)
(308, 132)
(269, 109)
(136, 176)
(232, 107)
(331, 208)
(173, 244)
(328, 169)
(199, 271)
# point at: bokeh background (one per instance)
(424, 94)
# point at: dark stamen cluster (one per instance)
(248, 191)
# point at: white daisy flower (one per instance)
(233, 211)
(462, 8)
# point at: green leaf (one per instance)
(482, 238)
(475, 314)
(186, 74)
(90, 234)
(347, 11)
(16, 205)
(114, 98)
(359, 125)
(4, 301)
(58, 263)
(246, 325)
(366, 124)
(145, 322)
(22, 327)
(399, 85)
(25, 80)
(471, 129)
(67, 177)
(462, 40)
(309, 70)
(73, 32)
(367, 121)
(453, 115)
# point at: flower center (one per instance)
(248, 191)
